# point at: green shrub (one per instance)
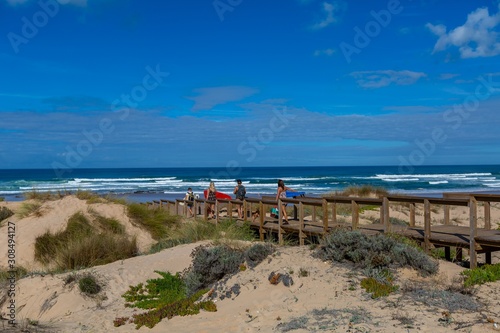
(373, 251)
(163, 297)
(481, 275)
(378, 288)
(209, 265)
(88, 285)
(258, 252)
(157, 292)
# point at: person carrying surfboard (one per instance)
(240, 192)
(211, 191)
(281, 193)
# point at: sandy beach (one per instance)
(325, 296)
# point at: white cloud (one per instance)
(476, 38)
(378, 79)
(327, 52)
(329, 19)
(209, 97)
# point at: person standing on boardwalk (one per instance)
(280, 194)
(240, 192)
(190, 200)
(211, 197)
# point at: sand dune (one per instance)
(326, 299)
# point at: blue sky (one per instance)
(234, 83)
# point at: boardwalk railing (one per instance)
(256, 212)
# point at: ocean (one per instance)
(146, 184)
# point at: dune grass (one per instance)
(155, 220)
(28, 208)
(362, 191)
(5, 213)
(195, 230)
(82, 245)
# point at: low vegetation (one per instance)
(28, 208)
(89, 285)
(327, 320)
(481, 275)
(375, 256)
(374, 252)
(82, 245)
(156, 220)
(195, 230)
(179, 294)
(5, 213)
(362, 191)
(45, 195)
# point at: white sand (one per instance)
(260, 306)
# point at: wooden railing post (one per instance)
(487, 215)
(280, 222)
(261, 220)
(244, 210)
(325, 215)
(473, 232)
(386, 220)
(427, 225)
(302, 235)
(412, 214)
(230, 210)
(216, 211)
(205, 210)
(355, 214)
(334, 213)
(446, 214)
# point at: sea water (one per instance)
(144, 184)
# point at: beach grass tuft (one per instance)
(156, 220)
(28, 208)
(88, 284)
(5, 213)
(81, 245)
(362, 191)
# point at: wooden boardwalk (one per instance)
(475, 240)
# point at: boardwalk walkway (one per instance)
(476, 240)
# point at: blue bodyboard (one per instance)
(290, 194)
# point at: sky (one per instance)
(240, 83)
